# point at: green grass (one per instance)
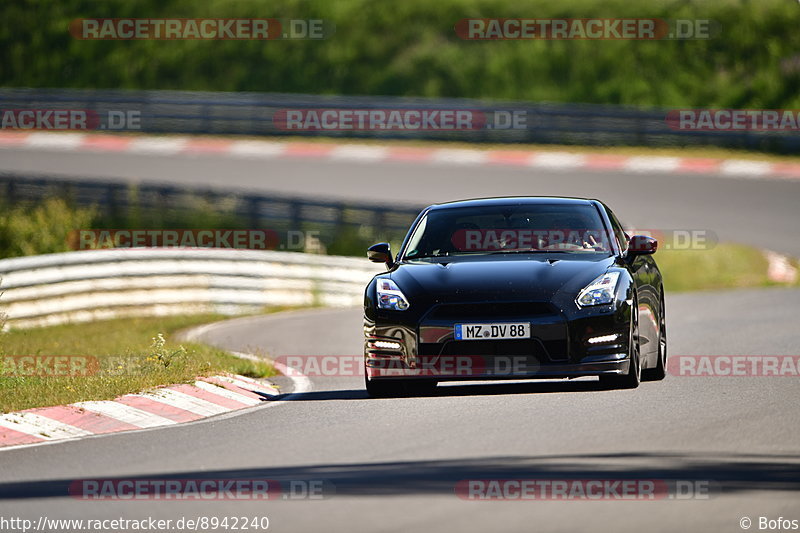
(724, 266)
(43, 228)
(130, 358)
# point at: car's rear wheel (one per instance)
(632, 379)
(660, 371)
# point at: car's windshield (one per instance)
(505, 229)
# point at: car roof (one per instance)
(513, 200)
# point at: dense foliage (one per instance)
(410, 48)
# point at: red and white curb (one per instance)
(258, 149)
(155, 408)
(779, 268)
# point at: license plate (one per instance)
(504, 330)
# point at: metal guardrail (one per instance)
(253, 114)
(129, 201)
(96, 284)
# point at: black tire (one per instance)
(421, 387)
(633, 378)
(384, 388)
(660, 371)
(394, 388)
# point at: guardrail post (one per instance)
(11, 191)
(295, 215)
(379, 221)
(253, 211)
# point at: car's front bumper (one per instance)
(559, 347)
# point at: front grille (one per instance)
(548, 342)
(495, 310)
(526, 347)
(542, 351)
(484, 358)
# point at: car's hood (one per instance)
(498, 278)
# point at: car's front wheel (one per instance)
(392, 388)
(660, 371)
(633, 378)
(384, 388)
(422, 387)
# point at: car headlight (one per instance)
(601, 291)
(390, 296)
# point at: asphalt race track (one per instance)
(393, 464)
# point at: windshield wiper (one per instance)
(486, 252)
(426, 256)
(531, 252)
(444, 254)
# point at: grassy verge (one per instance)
(127, 355)
(724, 266)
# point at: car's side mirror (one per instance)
(381, 253)
(642, 245)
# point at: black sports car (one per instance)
(514, 288)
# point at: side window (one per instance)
(622, 237)
(416, 237)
